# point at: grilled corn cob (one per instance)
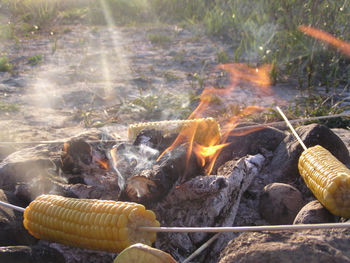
(207, 129)
(140, 253)
(86, 223)
(328, 179)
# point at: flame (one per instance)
(65, 146)
(260, 76)
(113, 153)
(342, 46)
(207, 154)
(235, 120)
(103, 164)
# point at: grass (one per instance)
(6, 107)
(222, 57)
(5, 65)
(154, 107)
(159, 39)
(35, 60)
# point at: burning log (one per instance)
(152, 184)
(76, 155)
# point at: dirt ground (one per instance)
(110, 77)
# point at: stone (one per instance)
(26, 164)
(33, 171)
(284, 165)
(314, 213)
(79, 255)
(5, 150)
(205, 201)
(247, 142)
(27, 254)
(12, 231)
(329, 245)
(280, 203)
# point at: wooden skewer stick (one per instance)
(244, 228)
(201, 248)
(14, 207)
(236, 129)
(291, 128)
(222, 229)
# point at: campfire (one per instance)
(201, 172)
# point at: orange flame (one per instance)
(342, 46)
(207, 154)
(235, 120)
(65, 146)
(259, 76)
(229, 127)
(103, 164)
(113, 154)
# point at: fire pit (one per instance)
(199, 172)
(88, 167)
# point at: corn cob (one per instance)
(140, 253)
(328, 179)
(87, 223)
(207, 129)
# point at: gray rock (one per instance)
(34, 254)
(284, 165)
(26, 164)
(32, 171)
(315, 246)
(280, 203)
(6, 150)
(250, 143)
(313, 213)
(12, 231)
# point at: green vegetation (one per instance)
(261, 31)
(222, 57)
(5, 65)
(153, 107)
(159, 39)
(35, 60)
(6, 107)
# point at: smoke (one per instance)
(128, 160)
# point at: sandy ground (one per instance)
(110, 77)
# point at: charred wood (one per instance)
(153, 184)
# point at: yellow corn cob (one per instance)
(86, 223)
(140, 253)
(207, 129)
(328, 179)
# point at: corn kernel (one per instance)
(111, 226)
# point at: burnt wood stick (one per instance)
(153, 184)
